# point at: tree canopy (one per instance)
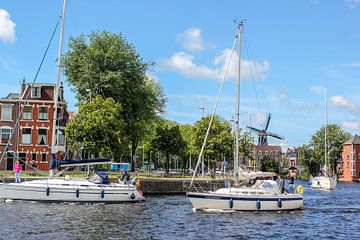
(312, 155)
(97, 127)
(106, 64)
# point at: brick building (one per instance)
(32, 140)
(349, 167)
(265, 151)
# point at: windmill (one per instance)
(264, 133)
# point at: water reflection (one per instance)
(326, 215)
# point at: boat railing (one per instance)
(208, 185)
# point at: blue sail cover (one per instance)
(104, 177)
(54, 163)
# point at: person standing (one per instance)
(17, 170)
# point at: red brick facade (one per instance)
(349, 167)
(32, 140)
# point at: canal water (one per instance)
(325, 215)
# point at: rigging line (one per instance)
(213, 112)
(28, 93)
(247, 49)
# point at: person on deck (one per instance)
(17, 170)
(125, 177)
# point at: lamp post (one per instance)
(203, 110)
(202, 160)
(89, 91)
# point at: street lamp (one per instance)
(203, 110)
(89, 91)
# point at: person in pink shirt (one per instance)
(17, 170)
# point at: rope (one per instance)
(213, 113)
(28, 94)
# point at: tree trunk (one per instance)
(167, 162)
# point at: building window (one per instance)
(5, 135)
(26, 136)
(42, 137)
(35, 92)
(22, 159)
(347, 164)
(61, 137)
(43, 157)
(266, 153)
(27, 113)
(43, 113)
(347, 156)
(6, 112)
(33, 157)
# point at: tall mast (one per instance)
(56, 90)
(236, 157)
(325, 144)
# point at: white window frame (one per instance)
(39, 139)
(3, 107)
(22, 136)
(47, 113)
(1, 134)
(33, 92)
(27, 115)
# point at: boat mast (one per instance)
(325, 144)
(236, 157)
(56, 90)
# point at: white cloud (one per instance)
(354, 65)
(183, 63)
(191, 39)
(353, 4)
(7, 27)
(355, 126)
(341, 102)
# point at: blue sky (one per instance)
(293, 49)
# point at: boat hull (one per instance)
(208, 201)
(82, 194)
(326, 183)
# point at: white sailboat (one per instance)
(326, 181)
(262, 195)
(96, 189)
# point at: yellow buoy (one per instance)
(300, 189)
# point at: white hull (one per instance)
(60, 190)
(209, 201)
(326, 183)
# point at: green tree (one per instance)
(269, 165)
(109, 66)
(220, 139)
(190, 151)
(168, 140)
(312, 156)
(98, 128)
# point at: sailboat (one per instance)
(265, 194)
(325, 182)
(95, 189)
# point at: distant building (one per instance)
(261, 152)
(349, 166)
(32, 140)
(292, 159)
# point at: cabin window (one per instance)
(43, 157)
(35, 92)
(5, 135)
(42, 136)
(43, 113)
(27, 113)
(26, 136)
(6, 112)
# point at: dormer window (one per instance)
(36, 92)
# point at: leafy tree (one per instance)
(220, 139)
(168, 140)
(269, 165)
(190, 151)
(312, 156)
(109, 66)
(97, 127)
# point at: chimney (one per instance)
(23, 86)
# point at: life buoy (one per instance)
(300, 189)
